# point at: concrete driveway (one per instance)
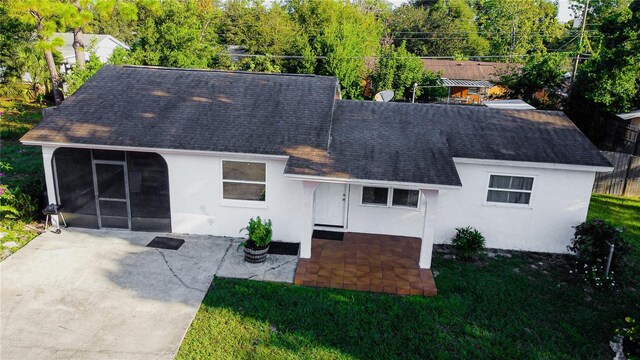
(91, 294)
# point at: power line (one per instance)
(471, 32)
(496, 37)
(376, 57)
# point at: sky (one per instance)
(564, 13)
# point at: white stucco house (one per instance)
(102, 45)
(201, 152)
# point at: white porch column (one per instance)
(309, 187)
(47, 160)
(430, 200)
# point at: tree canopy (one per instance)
(354, 40)
(611, 78)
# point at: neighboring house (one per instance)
(202, 151)
(102, 45)
(470, 82)
(513, 104)
(632, 117)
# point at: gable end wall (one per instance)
(560, 200)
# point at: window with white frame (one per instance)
(382, 196)
(375, 195)
(243, 180)
(510, 189)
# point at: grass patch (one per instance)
(18, 232)
(17, 118)
(522, 306)
(623, 212)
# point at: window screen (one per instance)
(148, 189)
(149, 192)
(510, 189)
(405, 198)
(74, 181)
(375, 195)
(244, 181)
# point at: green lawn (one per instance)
(520, 307)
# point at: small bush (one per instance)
(591, 244)
(259, 233)
(631, 333)
(468, 242)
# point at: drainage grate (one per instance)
(283, 248)
(165, 243)
(328, 235)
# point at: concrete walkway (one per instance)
(90, 294)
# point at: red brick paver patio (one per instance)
(377, 263)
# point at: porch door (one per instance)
(112, 194)
(330, 202)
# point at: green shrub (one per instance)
(591, 244)
(15, 204)
(468, 242)
(7, 211)
(259, 233)
(631, 333)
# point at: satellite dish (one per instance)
(384, 96)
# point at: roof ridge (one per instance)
(222, 71)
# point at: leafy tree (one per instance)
(541, 73)
(43, 16)
(82, 18)
(179, 34)
(518, 27)
(263, 31)
(26, 74)
(438, 28)
(611, 78)
(77, 77)
(342, 36)
(598, 9)
(119, 18)
(13, 34)
(77, 19)
(431, 88)
(397, 69)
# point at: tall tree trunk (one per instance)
(55, 80)
(78, 47)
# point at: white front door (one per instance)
(330, 202)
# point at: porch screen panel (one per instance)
(74, 180)
(149, 192)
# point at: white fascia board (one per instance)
(157, 150)
(537, 165)
(372, 182)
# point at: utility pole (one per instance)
(577, 60)
(513, 38)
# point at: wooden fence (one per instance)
(605, 130)
(624, 180)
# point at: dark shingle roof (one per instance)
(298, 116)
(416, 142)
(194, 110)
(367, 142)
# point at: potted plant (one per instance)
(259, 236)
